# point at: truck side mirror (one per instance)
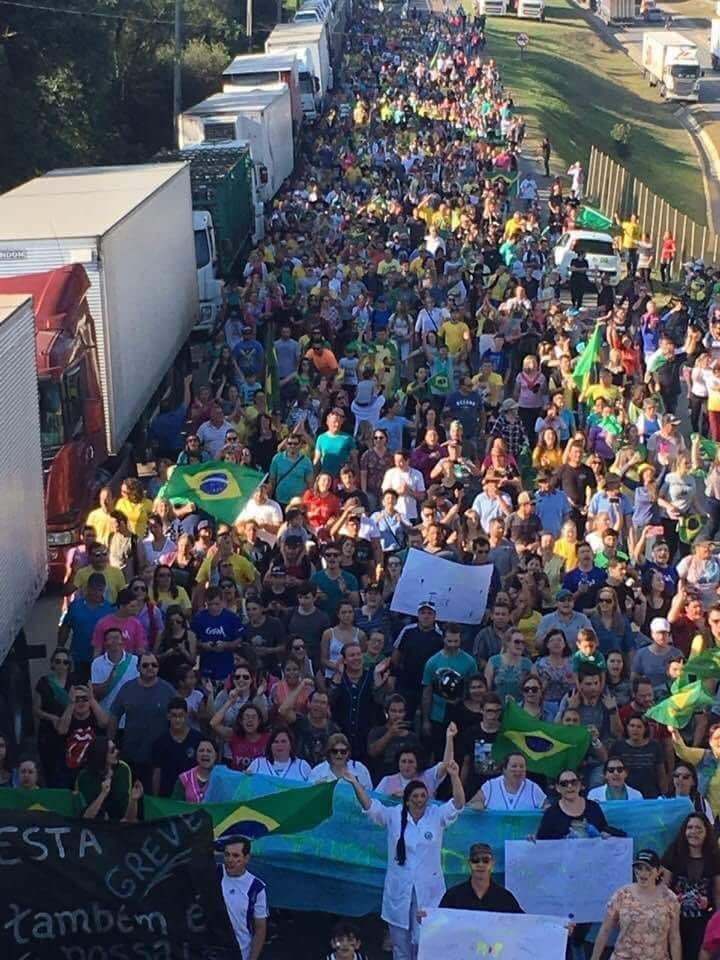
(316, 84)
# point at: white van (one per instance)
(599, 250)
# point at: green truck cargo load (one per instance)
(221, 182)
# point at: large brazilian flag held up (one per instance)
(290, 811)
(548, 748)
(220, 489)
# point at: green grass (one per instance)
(574, 86)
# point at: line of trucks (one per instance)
(105, 273)
(524, 9)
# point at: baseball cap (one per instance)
(204, 525)
(293, 539)
(659, 623)
(278, 570)
(669, 418)
(426, 605)
(648, 857)
(564, 594)
(508, 404)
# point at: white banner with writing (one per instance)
(459, 592)
(474, 935)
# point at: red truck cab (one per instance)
(72, 427)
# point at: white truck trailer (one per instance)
(670, 63)
(131, 228)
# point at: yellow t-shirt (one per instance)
(101, 523)
(493, 385)
(165, 599)
(114, 580)
(512, 228)
(244, 572)
(137, 514)
(611, 393)
(386, 266)
(454, 335)
(568, 551)
(630, 234)
(528, 628)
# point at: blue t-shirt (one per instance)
(394, 427)
(467, 410)
(592, 577)
(225, 627)
(82, 618)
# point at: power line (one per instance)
(93, 13)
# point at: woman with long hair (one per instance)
(645, 913)
(617, 681)
(280, 759)
(6, 765)
(414, 875)
(554, 670)
(335, 638)
(246, 739)
(50, 699)
(548, 452)
(610, 624)
(321, 504)
(506, 671)
(684, 783)
(191, 786)
(643, 757)
(691, 870)
(165, 592)
(105, 784)
(176, 645)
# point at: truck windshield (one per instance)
(202, 249)
(601, 248)
(306, 84)
(689, 71)
(52, 431)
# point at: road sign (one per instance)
(522, 40)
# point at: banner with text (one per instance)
(569, 863)
(80, 890)
(460, 593)
(469, 934)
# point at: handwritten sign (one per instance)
(80, 890)
(473, 934)
(459, 592)
(569, 863)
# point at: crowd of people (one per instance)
(398, 360)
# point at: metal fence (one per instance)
(613, 189)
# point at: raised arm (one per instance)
(360, 791)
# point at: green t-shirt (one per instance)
(334, 451)
(333, 594)
(116, 802)
(461, 663)
(290, 476)
(597, 659)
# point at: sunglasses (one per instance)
(332, 556)
(379, 436)
(340, 751)
(615, 769)
(242, 676)
(683, 776)
(60, 660)
(139, 589)
(531, 689)
(148, 666)
(568, 783)
(82, 699)
(605, 599)
(298, 646)
(485, 859)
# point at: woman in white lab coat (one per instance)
(414, 878)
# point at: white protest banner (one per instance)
(473, 934)
(459, 592)
(551, 876)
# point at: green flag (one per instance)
(587, 359)
(703, 665)
(220, 489)
(63, 802)
(289, 811)
(677, 710)
(590, 219)
(548, 748)
(272, 381)
(708, 448)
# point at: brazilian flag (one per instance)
(590, 219)
(62, 802)
(703, 665)
(548, 748)
(220, 489)
(685, 699)
(289, 811)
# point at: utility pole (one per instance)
(249, 23)
(177, 72)
(279, 11)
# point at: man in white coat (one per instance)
(414, 880)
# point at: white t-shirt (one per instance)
(268, 512)
(212, 438)
(238, 892)
(292, 770)
(497, 797)
(599, 794)
(322, 772)
(395, 784)
(394, 479)
(101, 669)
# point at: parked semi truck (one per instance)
(670, 62)
(312, 39)
(618, 11)
(23, 557)
(260, 69)
(261, 117)
(524, 9)
(227, 216)
(111, 326)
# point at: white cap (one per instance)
(659, 623)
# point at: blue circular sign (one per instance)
(214, 484)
